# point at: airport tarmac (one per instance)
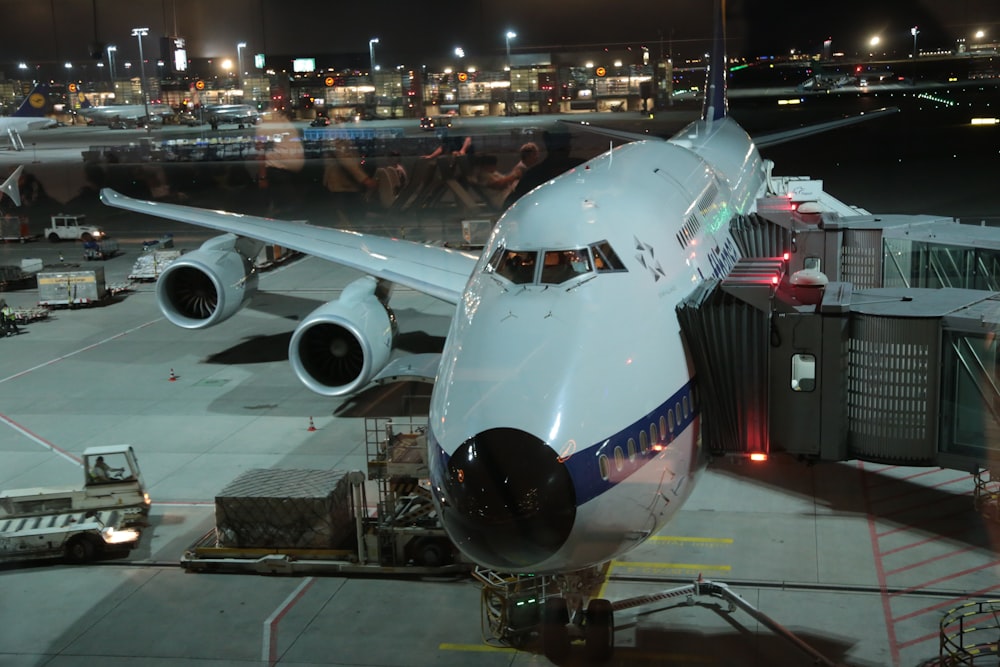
(859, 560)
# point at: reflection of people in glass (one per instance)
(102, 472)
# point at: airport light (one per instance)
(873, 42)
(510, 83)
(139, 33)
(22, 65)
(914, 31)
(510, 35)
(459, 52)
(371, 55)
(239, 59)
(112, 49)
(980, 34)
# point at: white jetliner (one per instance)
(230, 114)
(29, 116)
(130, 114)
(564, 420)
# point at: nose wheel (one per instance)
(596, 627)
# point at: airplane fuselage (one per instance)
(564, 421)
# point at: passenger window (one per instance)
(663, 426)
(602, 463)
(686, 412)
(620, 456)
(643, 442)
(652, 434)
(670, 420)
(803, 372)
(631, 449)
(562, 265)
(517, 266)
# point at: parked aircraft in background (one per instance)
(229, 114)
(124, 115)
(29, 116)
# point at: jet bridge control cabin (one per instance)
(856, 337)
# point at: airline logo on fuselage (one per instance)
(723, 260)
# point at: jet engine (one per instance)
(205, 287)
(343, 344)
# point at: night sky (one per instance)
(56, 31)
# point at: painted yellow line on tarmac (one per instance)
(672, 566)
(476, 648)
(697, 540)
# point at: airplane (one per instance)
(564, 423)
(123, 115)
(231, 114)
(29, 116)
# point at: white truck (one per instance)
(75, 536)
(70, 227)
(112, 481)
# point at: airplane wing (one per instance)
(438, 272)
(762, 141)
(775, 138)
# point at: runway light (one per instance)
(758, 457)
(985, 121)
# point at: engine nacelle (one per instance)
(211, 284)
(343, 344)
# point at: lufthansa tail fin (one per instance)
(10, 187)
(34, 103)
(716, 101)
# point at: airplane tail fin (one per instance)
(716, 101)
(35, 102)
(10, 187)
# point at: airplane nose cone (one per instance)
(508, 500)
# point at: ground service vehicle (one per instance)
(120, 488)
(75, 536)
(68, 227)
(317, 521)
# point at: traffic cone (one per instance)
(312, 427)
(173, 378)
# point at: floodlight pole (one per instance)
(139, 33)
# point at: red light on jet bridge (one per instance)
(758, 457)
(786, 256)
(774, 280)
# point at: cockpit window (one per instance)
(562, 265)
(605, 258)
(557, 266)
(517, 266)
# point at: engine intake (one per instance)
(343, 344)
(207, 286)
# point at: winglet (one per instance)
(10, 187)
(716, 101)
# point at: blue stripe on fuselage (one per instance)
(592, 476)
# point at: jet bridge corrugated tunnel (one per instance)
(900, 374)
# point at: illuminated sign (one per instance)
(329, 81)
(463, 77)
(600, 71)
(199, 85)
(180, 60)
(72, 87)
(304, 65)
(258, 60)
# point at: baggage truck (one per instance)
(103, 249)
(14, 228)
(75, 536)
(71, 288)
(111, 481)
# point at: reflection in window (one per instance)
(605, 258)
(517, 266)
(561, 265)
(803, 372)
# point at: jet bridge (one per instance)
(894, 360)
